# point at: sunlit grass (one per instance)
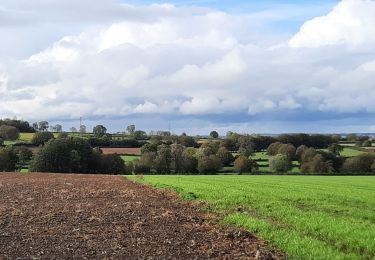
(310, 217)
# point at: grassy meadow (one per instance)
(129, 158)
(308, 217)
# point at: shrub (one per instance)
(41, 138)
(9, 132)
(8, 159)
(280, 163)
(244, 165)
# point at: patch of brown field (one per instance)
(121, 151)
(86, 216)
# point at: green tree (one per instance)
(214, 134)
(273, 148)
(244, 165)
(280, 163)
(225, 156)
(43, 126)
(71, 155)
(40, 138)
(99, 131)
(287, 149)
(8, 159)
(9, 132)
(210, 164)
(335, 148)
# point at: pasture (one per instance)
(305, 216)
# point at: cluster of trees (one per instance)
(74, 155)
(162, 158)
(13, 158)
(22, 126)
(313, 161)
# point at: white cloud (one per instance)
(179, 62)
(350, 23)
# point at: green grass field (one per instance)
(349, 152)
(130, 158)
(308, 217)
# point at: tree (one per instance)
(57, 128)
(163, 159)
(1, 141)
(351, 137)
(280, 163)
(317, 166)
(149, 148)
(189, 162)
(210, 164)
(73, 129)
(70, 155)
(40, 138)
(273, 148)
(99, 131)
(112, 164)
(130, 129)
(214, 134)
(359, 164)
(287, 149)
(335, 148)
(177, 155)
(8, 159)
(244, 165)
(225, 156)
(300, 150)
(43, 126)
(9, 132)
(139, 134)
(24, 154)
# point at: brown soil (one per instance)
(86, 216)
(122, 151)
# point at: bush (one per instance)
(41, 138)
(244, 165)
(210, 164)
(8, 159)
(280, 163)
(9, 132)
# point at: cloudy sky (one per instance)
(249, 66)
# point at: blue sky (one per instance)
(247, 66)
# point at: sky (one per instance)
(190, 66)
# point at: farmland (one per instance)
(48, 216)
(319, 217)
